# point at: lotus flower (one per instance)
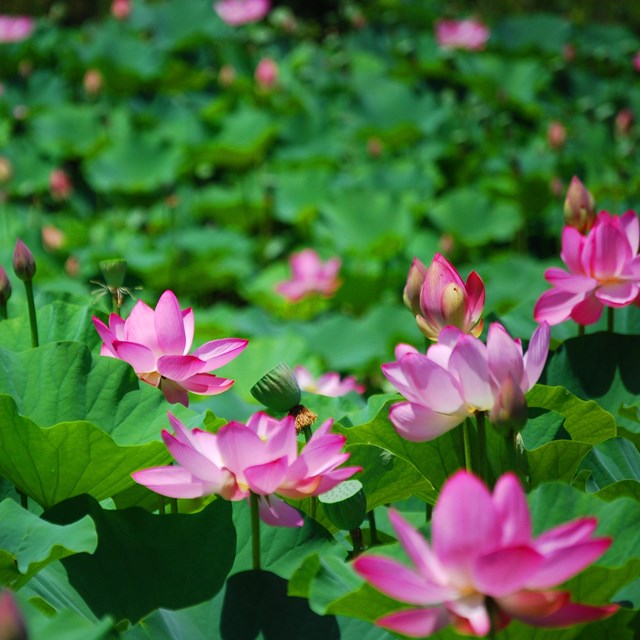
(156, 344)
(266, 73)
(12, 622)
(120, 9)
(604, 271)
(328, 384)
(260, 457)
(438, 298)
(236, 12)
(461, 34)
(579, 206)
(459, 376)
(15, 28)
(310, 275)
(484, 567)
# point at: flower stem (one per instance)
(356, 538)
(174, 505)
(255, 529)
(466, 436)
(512, 460)
(161, 505)
(581, 329)
(610, 319)
(373, 529)
(482, 447)
(28, 286)
(428, 512)
(3, 311)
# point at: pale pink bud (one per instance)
(92, 82)
(72, 266)
(236, 12)
(226, 75)
(6, 169)
(579, 206)
(12, 624)
(624, 120)
(52, 237)
(120, 9)
(413, 286)
(5, 286)
(569, 52)
(24, 265)
(556, 135)
(266, 73)
(461, 34)
(375, 147)
(636, 62)
(509, 412)
(60, 184)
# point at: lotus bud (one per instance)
(5, 287)
(113, 272)
(6, 169)
(345, 505)
(92, 82)
(624, 120)
(266, 73)
(60, 184)
(226, 75)
(24, 265)
(509, 412)
(278, 389)
(12, 624)
(579, 206)
(556, 135)
(415, 280)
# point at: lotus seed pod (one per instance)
(278, 389)
(345, 505)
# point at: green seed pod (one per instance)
(113, 272)
(345, 505)
(278, 389)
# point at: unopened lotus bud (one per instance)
(624, 120)
(60, 184)
(52, 237)
(5, 287)
(226, 75)
(92, 82)
(12, 624)
(24, 265)
(579, 206)
(509, 413)
(345, 505)
(113, 272)
(6, 169)
(266, 74)
(556, 135)
(413, 286)
(375, 147)
(120, 9)
(278, 389)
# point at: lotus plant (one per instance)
(484, 567)
(260, 457)
(328, 384)
(438, 298)
(310, 275)
(460, 376)
(603, 271)
(462, 34)
(156, 344)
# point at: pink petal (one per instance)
(617, 294)
(333, 478)
(631, 228)
(570, 614)
(394, 373)
(169, 325)
(240, 448)
(555, 306)
(418, 424)
(140, 327)
(174, 392)
(217, 353)
(606, 251)
(180, 367)
(533, 604)
(188, 323)
(469, 364)
(473, 609)
(476, 297)
(138, 356)
(173, 482)
(397, 581)
(536, 356)
(193, 461)
(465, 523)
(265, 478)
(432, 385)
(416, 623)
(511, 505)
(206, 384)
(572, 247)
(588, 311)
(505, 358)
(505, 570)
(277, 513)
(569, 282)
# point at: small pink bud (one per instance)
(509, 412)
(6, 169)
(120, 9)
(72, 266)
(92, 82)
(413, 286)
(60, 184)
(375, 147)
(52, 237)
(636, 62)
(5, 286)
(624, 120)
(12, 624)
(579, 206)
(569, 52)
(24, 265)
(266, 73)
(556, 186)
(556, 135)
(226, 75)
(15, 28)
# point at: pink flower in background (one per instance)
(310, 275)
(156, 344)
(60, 184)
(120, 9)
(438, 298)
(15, 28)
(604, 270)
(556, 134)
(260, 457)
(236, 12)
(636, 61)
(461, 34)
(12, 622)
(266, 73)
(328, 384)
(458, 376)
(484, 567)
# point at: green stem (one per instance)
(581, 328)
(24, 499)
(466, 436)
(255, 530)
(482, 447)
(356, 538)
(610, 319)
(373, 529)
(307, 433)
(512, 460)
(161, 505)
(28, 285)
(174, 505)
(428, 511)
(3, 311)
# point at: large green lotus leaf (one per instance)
(57, 321)
(603, 367)
(30, 170)
(68, 459)
(28, 544)
(545, 32)
(145, 561)
(299, 193)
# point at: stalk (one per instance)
(373, 529)
(28, 286)
(255, 530)
(610, 319)
(482, 447)
(466, 436)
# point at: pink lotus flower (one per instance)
(260, 457)
(484, 567)
(156, 344)
(60, 184)
(604, 271)
(328, 384)
(636, 62)
(579, 206)
(236, 12)
(461, 34)
(12, 622)
(310, 275)
(458, 376)
(266, 73)
(15, 28)
(438, 298)
(120, 9)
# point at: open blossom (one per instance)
(603, 271)
(328, 384)
(259, 457)
(15, 28)
(461, 34)
(157, 343)
(310, 275)
(484, 567)
(439, 298)
(458, 376)
(236, 12)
